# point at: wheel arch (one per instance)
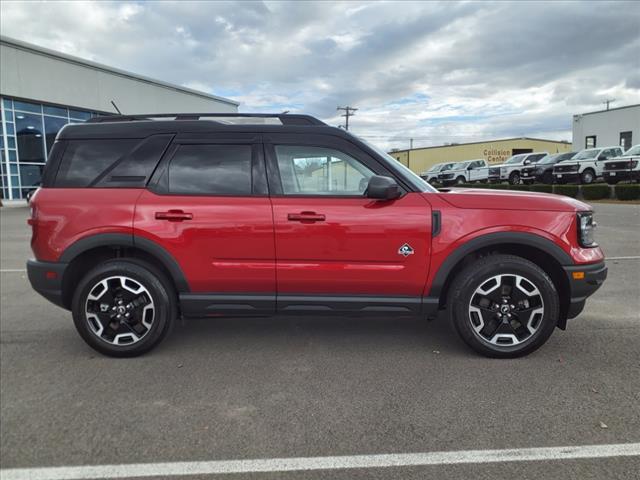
(87, 252)
(540, 250)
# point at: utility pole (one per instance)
(608, 101)
(348, 112)
(411, 143)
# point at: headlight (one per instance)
(503, 170)
(586, 228)
(574, 168)
(539, 170)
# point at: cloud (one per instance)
(435, 72)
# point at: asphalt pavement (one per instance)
(234, 389)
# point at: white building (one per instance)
(42, 90)
(616, 126)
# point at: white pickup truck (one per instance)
(431, 175)
(586, 166)
(465, 172)
(623, 168)
(510, 170)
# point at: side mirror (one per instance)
(527, 162)
(383, 188)
(470, 167)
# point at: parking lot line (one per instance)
(273, 465)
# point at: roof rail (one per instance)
(240, 118)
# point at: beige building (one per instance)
(494, 152)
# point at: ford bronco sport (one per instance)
(141, 221)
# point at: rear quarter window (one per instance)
(110, 163)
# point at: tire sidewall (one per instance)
(583, 177)
(472, 278)
(514, 178)
(156, 285)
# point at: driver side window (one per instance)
(306, 170)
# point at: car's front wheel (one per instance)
(588, 176)
(514, 178)
(503, 306)
(124, 307)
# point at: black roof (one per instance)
(139, 126)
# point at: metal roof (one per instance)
(19, 44)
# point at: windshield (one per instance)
(436, 167)
(462, 165)
(516, 159)
(635, 150)
(549, 159)
(447, 166)
(584, 154)
(415, 179)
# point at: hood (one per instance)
(488, 199)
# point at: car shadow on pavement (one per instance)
(381, 333)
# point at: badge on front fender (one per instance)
(405, 250)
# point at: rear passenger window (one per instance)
(211, 170)
(85, 160)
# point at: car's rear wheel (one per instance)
(514, 178)
(504, 306)
(124, 308)
(588, 176)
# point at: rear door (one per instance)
(336, 249)
(207, 206)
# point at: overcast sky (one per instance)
(437, 72)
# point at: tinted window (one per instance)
(320, 171)
(135, 168)
(30, 137)
(211, 170)
(52, 126)
(536, 157)
(84, 161)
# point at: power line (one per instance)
(348, 112)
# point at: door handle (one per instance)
(306, 217)
(174, 216)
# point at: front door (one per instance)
(337, 250)
(208, 208)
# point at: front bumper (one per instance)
(566, 177)
(46, 279)
(620, 175)
(584, 280)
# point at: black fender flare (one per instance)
(496, 238)
(128, 240)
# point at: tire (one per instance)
(514, 178)
(587, 177)
(510, 338)
(146, 295)
(460, 180)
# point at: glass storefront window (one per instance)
(31, 175)
(27, 107)
(30, 137)
(79, 114)
(28, 133)
(57, 111)
(52, 126)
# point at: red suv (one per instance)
(140, 221)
